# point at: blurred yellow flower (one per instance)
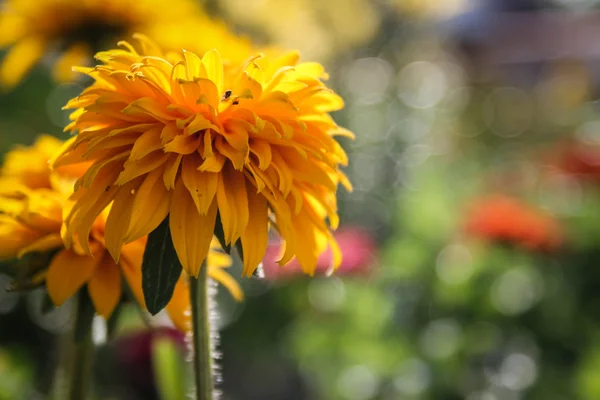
(28, 165)
(75, 29)
(32, 202)
(254, 144)
(183, 34)
(432, 9)
(319, 29)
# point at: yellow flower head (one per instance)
(30, 222)
(253, 143)
(30, 164)
(75, 29)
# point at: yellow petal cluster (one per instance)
(32, 202)
(74, 29)
(252, 143)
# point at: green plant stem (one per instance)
(203, 368)
(80, 364)
(113, 323)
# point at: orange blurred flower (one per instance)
(504, 219)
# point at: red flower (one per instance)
(504, 219)
(581, 159)
(357, 246)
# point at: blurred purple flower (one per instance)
(127, 363)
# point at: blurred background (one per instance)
(471, 240)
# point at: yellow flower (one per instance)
(31, 219)
(320, 29)
(29, 165)
(75, 29)
(430, 8)
(253, 143)
(183, 34)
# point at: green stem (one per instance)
(203, 368)
(113, 323)
(80, 365)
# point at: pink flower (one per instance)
(358, 249)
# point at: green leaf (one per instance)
(161, 268)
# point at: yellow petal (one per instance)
(171, 171)
(214, 68)
(199, 123)
(12, 27)
(77, 54)
(148, 142)
(117, 223)
(245, 83)
(105, 286)
(131, 267)
(67, 273)
(147, 106)
(134, 168)
(150, 206)
(256, 234)
(336, 252)
(217, 258)
(227, 280)
(169, 132)
(236, 134)
(14, 236)
(20, 59)
(179, 309)
(81, 217)
(202, 91)
(262, 150)
(191, 232)
(285, 228)
(184, 144)
(233, 203)
(312, 69)
(213, 164)
(201, 185)
(68, 154)
(195, 68)
(307, 246)
(46, 243)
